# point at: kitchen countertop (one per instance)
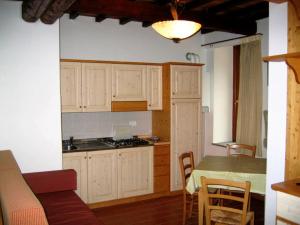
(96, 144)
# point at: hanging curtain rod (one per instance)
(231, 39)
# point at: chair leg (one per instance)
(252, 220)
(184, 209)
(249, 202)
(191, 205)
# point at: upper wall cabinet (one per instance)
(96, 87)
(154, 87)
(70, 87)
(85, 87)
(129, 82)
(185, 81)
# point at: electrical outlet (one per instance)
(132, 123)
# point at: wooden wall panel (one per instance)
(161, 119)
(292, 168)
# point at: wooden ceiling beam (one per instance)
(255, 12)
(55, 10)
(197, 5)
(233, 5)
(146, 23)
(32, 10)
(73, 15)
(99, 18)
(123, 21)
(218, 23)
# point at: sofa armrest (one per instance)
(51, 181)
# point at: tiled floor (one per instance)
(163, 211)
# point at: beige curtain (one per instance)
(249, 117)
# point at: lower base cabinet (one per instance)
(112, 174)
(161, 169)
(78, 162)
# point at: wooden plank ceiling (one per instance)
(235, 16)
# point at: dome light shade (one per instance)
(176, 29)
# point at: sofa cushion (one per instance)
(66, 208)
(19, 204)
(51, 181)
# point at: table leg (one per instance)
(200, 206)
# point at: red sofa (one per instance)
(55, 191)
(40, 198)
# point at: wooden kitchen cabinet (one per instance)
(102, 176)
(112, 174)
(96, 87)
(185, 134)
(180, 120)
(154, 87)
(185, 81)
(161, 168)
(70, 87)
(85, 87)
(129, 82)
(135, 171)
(78, 162)
(288, 202)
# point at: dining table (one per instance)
(228, 168)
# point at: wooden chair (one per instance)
(225, 214)
(235, 150)
(186, 163)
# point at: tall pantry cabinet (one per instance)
(180, 119)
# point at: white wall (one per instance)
(277, 105)
(222, 94)
(83, 38)
(29, 90)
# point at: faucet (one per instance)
(70, 143)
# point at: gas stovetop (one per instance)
(125, 142)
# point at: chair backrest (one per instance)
(241, 150)
(240, 208)
(186, 163)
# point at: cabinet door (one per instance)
(129, 82)
(102, 176)
(70, 87)
(96, 87)
(185, 81)
(135, 171)
(185, 134)
(154, 84)
(78, 162)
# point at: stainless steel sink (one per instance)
(92, 145)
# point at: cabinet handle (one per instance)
(114, 96)
(84, 107)
(90, 157)
(80, 106)
(149, 104)
(173, 93)
(84, 157)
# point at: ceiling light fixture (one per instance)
(176, 29)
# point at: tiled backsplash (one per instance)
(100, 124)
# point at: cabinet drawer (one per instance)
(162, 184)
(288, 207)
(161, 160)
(161, 150)
(161, 170)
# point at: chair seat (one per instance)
(223, 217)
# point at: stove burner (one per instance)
(125, 142)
